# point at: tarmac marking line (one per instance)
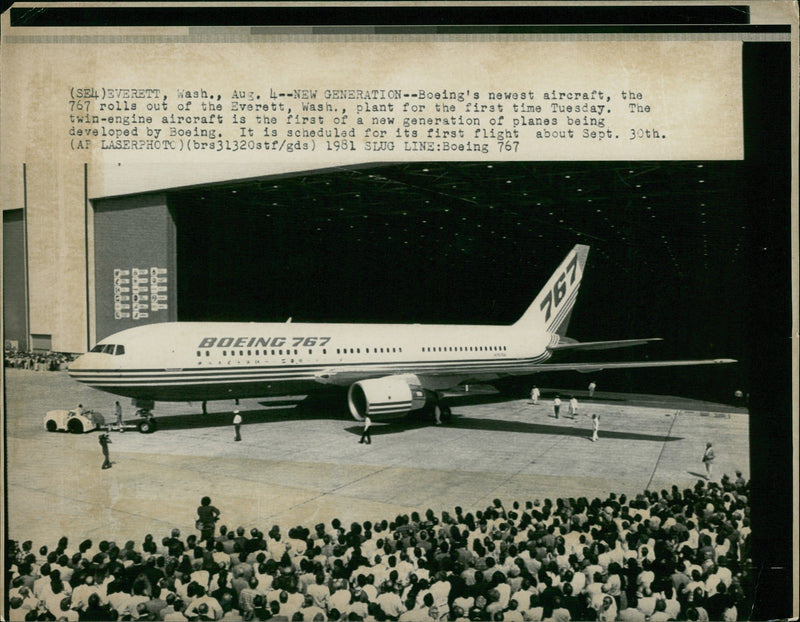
(81, 501)
(334, 490)
(661, 452)
(525, 465)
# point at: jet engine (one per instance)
(384, 397)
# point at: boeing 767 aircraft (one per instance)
(389, 369)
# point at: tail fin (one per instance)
(552, 308)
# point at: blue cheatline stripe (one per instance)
(306, 372)
(389, 405)
(252, 369)
(568, 304)
(143, 381)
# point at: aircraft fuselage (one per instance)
(210, 361)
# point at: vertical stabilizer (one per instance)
(552, 308)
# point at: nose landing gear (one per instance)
(144, 410)
(148, 424)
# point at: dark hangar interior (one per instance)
(474, 242)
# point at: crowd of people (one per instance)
(659, 555)
(35, 361)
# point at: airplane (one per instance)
(388, 369)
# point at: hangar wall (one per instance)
(134, 263)
(53, 195)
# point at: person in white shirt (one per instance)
(366, 434)
(237, 425)
(390, 602)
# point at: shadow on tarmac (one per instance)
(334, 406)
(308, 409)
(499, 425)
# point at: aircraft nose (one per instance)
(82, 363)
(77, 364)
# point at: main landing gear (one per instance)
(442, 413)
(147, 425)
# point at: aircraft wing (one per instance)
(600, 345)
(455, 372)
(599, 366)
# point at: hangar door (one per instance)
(14, 303)
(134, 252)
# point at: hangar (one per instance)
(428, 242)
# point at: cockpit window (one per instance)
(109, 348)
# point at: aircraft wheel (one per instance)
(51, 426)
(146, 426)
(75, 427)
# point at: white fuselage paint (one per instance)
(205, 361)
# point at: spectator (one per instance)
(669, 554)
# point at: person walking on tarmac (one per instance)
(573, 407)
(595, 427)
(365, 434)
(708, 459)
(118, 415)
(104, 442)
(237, 424)
(556, 405)
(535, 395)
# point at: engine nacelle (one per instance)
(384, 397)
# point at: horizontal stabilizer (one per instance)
(601, 345)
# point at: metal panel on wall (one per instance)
(134, 263)
(14, 302)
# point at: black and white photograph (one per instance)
(464, 341)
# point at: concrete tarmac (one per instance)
(299, 461)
